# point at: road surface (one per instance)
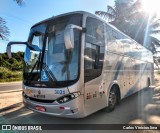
(131, 110)
(10, 86)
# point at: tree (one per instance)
(4, 31)
(127, 16)
(147, 24)
(120, 15)
(15, 63)
(19, 2)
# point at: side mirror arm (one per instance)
(31, 47)
(8, 50)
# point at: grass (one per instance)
(158, 72)
(7, 75)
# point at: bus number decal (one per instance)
(59, 91)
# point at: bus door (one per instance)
(93, 64)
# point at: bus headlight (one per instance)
(68, 97)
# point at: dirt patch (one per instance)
(8, 99)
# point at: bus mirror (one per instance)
(31, 47)
(8, 50)
(69, 35)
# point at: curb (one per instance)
(2, 92)
(1, 83)
(11, 107)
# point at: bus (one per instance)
(76, 64)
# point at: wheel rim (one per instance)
(112, 99)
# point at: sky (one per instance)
(19, 19)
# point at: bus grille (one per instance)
(39, 100)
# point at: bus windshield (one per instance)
(53, 65)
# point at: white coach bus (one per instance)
(76, 64)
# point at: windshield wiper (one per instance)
(37, 63)
(49, 72)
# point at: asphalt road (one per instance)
(131, 110)
(10, 86)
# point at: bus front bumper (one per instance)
(70, 109)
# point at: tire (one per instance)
(112, 100)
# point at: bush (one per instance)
(14, 64)
(158, 72)
(11, 69)
(8, 75)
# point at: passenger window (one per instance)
(111, 35)
(95, 31)
(94, 49)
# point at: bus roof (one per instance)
(53, 17)
(88, 14)
(78, 12)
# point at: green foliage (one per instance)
(11, 69)
(14, 64)
(158, 72)
(8, 75)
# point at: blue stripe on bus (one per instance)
(134, 88)
(119, 64)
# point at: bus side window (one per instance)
(91, 62)
(108, 33)
(94, 49)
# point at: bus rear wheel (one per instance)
(112, 101)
